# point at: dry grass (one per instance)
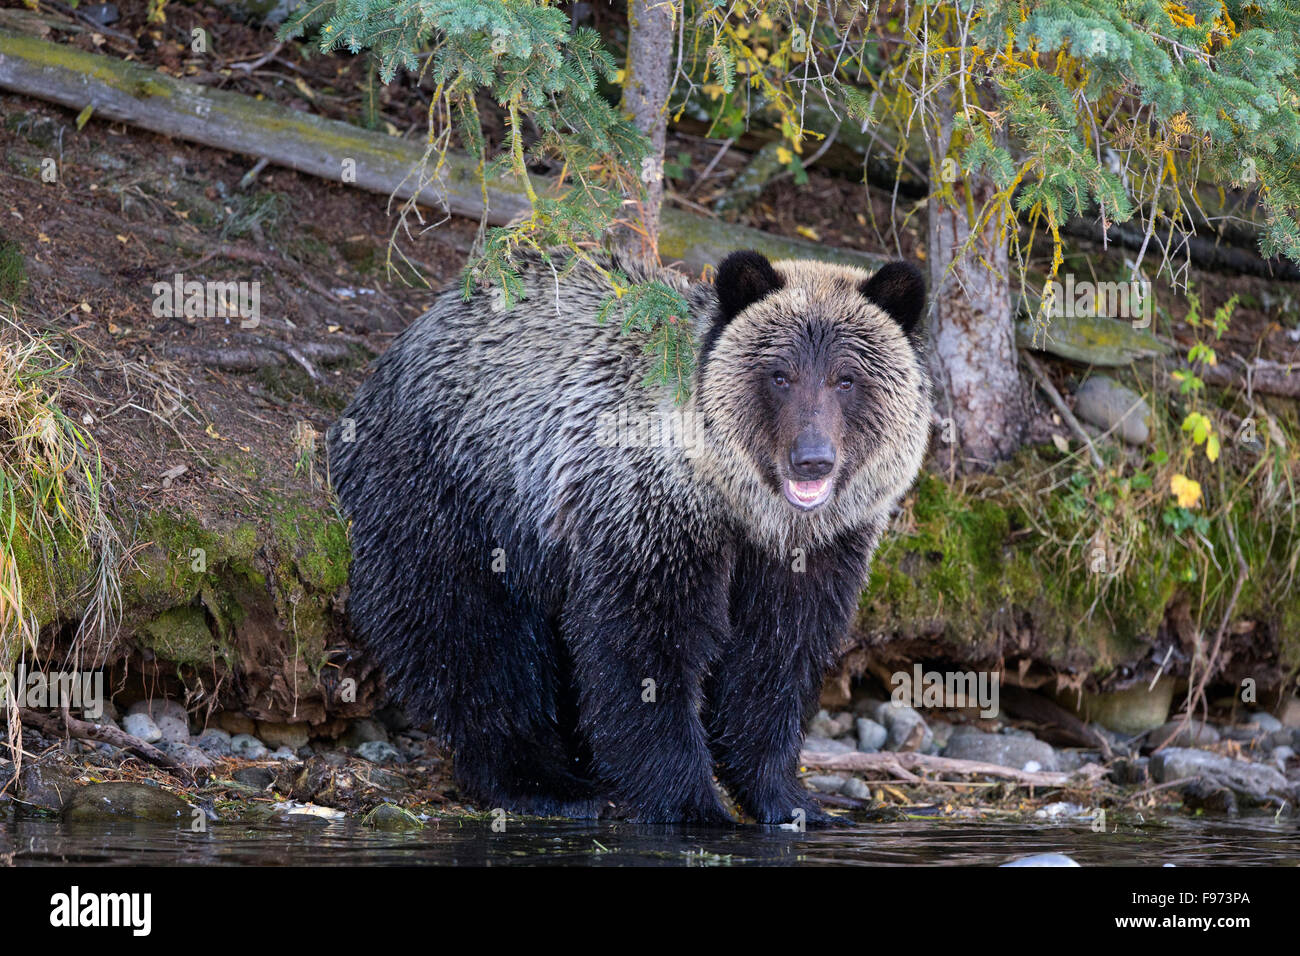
(52, 495)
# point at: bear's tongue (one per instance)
(807, 492)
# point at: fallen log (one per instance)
(889, 761)
(1061, 726)
(129, 92)
(1205, 253)
(1262, 375)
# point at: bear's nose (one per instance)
(812, 456)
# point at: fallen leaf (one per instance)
(1187, 491)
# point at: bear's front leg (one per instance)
(788, 617)
(642, 640)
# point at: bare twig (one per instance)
(708, 170)
(247, 179)
(1059, 403)
(1196, 696)
(249, 66)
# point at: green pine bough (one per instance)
(523, 54)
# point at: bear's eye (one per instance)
(779, 380)
(844, 384)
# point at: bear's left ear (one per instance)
(744, 278)
(897, 287)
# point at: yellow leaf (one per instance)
(1187, 491)
(84, 116)
(783, 155)
(1212, 448)
(808, 233)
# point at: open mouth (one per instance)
(807, 495)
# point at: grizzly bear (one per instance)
(596, 593)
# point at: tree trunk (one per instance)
(979, 394)
(647, 80)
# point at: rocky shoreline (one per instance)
(386, 773)
(1218, 767)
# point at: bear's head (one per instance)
(813, 389)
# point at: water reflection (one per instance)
(1178, 840)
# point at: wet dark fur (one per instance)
(621, 565)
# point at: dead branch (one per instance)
(892, 762)
(1059, 403)
(82, 730)
(232, 359)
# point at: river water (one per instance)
(1182, 841)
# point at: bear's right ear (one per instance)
(744, 278)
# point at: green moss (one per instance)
(53, 572)
(961, 569)
(183, 557)
(182, 635)
(221, 573)
(317, 543)
(362, 254)
(13, 272)
(1289, 631)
